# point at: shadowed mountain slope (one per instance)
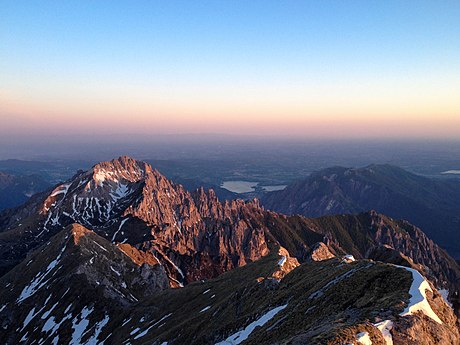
(80, 289)
(431, 204)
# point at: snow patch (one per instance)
(119, 193)
(29, 317)
(240, 336)
(62, 189)
(119, 228)
(348, 258)
(134, 331)
(97, 330)
(282, 261)
(174, 265)
(101, 246)
(38, 282)
(445, 294)
(418, 300)
(363, 338)
(116, 272)
(385, 328)
(162, 319)
(49, 324)
(80, 326)
(205, 308)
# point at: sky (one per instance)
(300, 69)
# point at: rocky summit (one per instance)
(119, 254)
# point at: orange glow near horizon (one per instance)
(264, 113)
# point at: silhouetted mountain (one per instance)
(431, 204)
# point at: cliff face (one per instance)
(193, 235)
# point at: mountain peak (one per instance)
(123, 167)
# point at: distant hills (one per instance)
(16, 189)
(432, 204)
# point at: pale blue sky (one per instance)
(278, 60)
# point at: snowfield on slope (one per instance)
(240, 336)
(418, 300)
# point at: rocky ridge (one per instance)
(430, 203)
(320, 302)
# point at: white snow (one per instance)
(418, 301)
(240, 336)
(349, 258)
(80, 326)
(174, 265)
(38, 282)
(134, 331)
(3, 307)
(363, 338)
(385, 328)
(62, 189)
(125, 322)
(97, 330)
(49, 324)
(273, 188)
(119, 228)
(121, 191)
(24, 337)
(29, 317)
(116, 272)
(68, 308)
(162, 319)
(46, 314)
(445, 293)
(100, 246)
(282, 261)
(336, 280)
(204, 293)
(140, 335)
(100, 176)
(205, 308)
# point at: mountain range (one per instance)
(430, 203)
(120, 254)
(16, 189)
